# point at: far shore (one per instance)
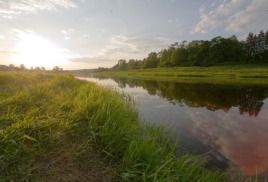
(228, 74)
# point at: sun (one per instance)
(33, 51)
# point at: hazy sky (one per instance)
(78, 34)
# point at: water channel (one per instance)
(228, 123)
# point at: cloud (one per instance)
(136, 47)
(103, 30)
(67, 33)
(2, 36)
(232, 15)
(93, 62)
(12, 8)
(175, 22)
(255, 15)
(123, 47)
(232, 135)
(90, 59)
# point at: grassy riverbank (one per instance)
(257, 74)
(58, 128)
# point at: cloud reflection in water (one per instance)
(239, 138)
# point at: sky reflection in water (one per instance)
(230, 122)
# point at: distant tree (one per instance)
(235, 49)
(22, 67)
(140, 63)
(255, 43)
(151, 61)
(175, 57)
(203, 53)
(179, 56)
(224, 50)
(175, 45)
(43, 68)
(11, 66)
(115, 67)
(163, 58)
(193, 49)
(37, 68)
(250, 46)
(216, 52)
(260, 45)
(132, 64)
(56, 68)
(122, 65)
(183, 44)
(102, 69)
(265, 54)
(266, 38)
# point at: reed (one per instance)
(49, 121)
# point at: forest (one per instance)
(217, 51)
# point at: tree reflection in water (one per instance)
(228, 122)
(248, 99)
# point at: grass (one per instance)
(231, 74)
(58, 128)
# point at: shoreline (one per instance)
(238, 74)
(62, 124)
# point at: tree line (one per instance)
(216, 51)
(22, 67)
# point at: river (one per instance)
(227, 123)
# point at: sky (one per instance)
(85, 34)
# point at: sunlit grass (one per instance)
(46, 118)
(253, 74)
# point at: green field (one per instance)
(58, 128)
(238, 74)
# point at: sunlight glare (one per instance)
(33, 51)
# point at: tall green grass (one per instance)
(42, 114)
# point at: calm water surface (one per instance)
(227, 122)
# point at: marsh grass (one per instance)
(231, 74)
(58, 128)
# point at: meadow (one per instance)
(224, 74)
(58, 128)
